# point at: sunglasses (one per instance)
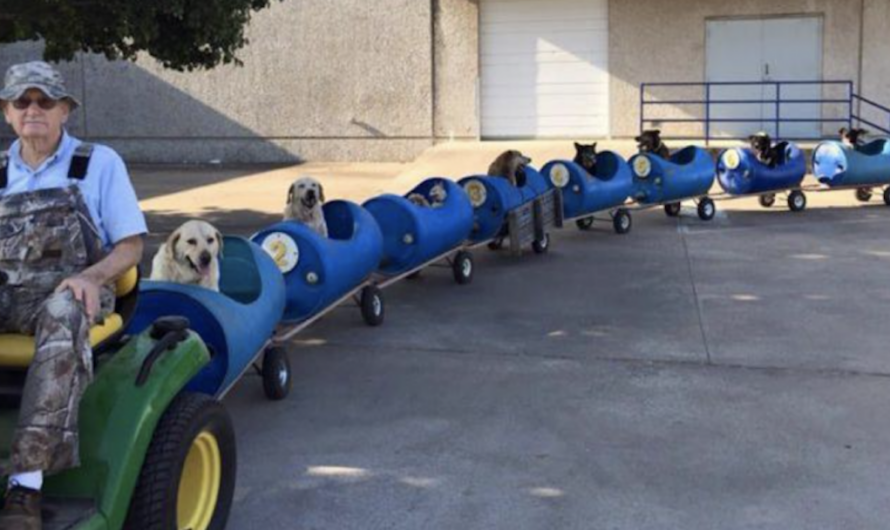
(44, 103)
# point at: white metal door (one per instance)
(734, 53)
(771, 49)
(792, 51)
(544, 68)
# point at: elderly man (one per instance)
(70, 225)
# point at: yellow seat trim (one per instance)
(17, 351)
(126, 283)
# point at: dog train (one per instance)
(246, 297)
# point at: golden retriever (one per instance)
(190, 256)
(304, 200)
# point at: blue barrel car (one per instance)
(837, 165)
(687, 174)
(585, 194)
(740, 172)
(321, 272)
(430, 223)
(522, 213)
(235, 323)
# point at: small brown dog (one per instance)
(852, 137)
(763, 148)
(437, 196)
(511, 166)
(650, 142)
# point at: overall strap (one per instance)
(80, 162)
(4, 169)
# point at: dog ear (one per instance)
(219, 242)
(170, 245)
(594, 145)
(578, 146)
(290, 194)
(320, 193)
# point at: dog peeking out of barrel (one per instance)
(511, 166)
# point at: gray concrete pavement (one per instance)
(684, 376)
(689, 375)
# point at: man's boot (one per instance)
(21, 511)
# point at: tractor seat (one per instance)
(17, 351)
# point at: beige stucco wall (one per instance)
(876, 59)
(339, 80)
(653, 40)
(354, 80)
(456, 69)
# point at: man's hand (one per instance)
(86, 291)
(86, 285)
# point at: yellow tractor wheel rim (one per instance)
(199, 484)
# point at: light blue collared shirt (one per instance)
(107, 189)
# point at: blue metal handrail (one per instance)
(876, 106)
(707, 120)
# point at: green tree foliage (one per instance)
(181, 34)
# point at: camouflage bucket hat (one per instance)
(39, 75)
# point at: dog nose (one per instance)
(310, 194)
(205, 258)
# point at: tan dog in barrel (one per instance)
(190, 256)
(304, 204)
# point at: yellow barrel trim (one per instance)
(642, 166)
(559, 175)
(477, 192)
(732, 159)
(17, 351)
(199, 483)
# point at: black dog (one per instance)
(763, 147)
(852, 137)
(585, 156)
(650, 142)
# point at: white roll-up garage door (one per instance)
(544, 67)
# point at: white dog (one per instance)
(304, 200)
(438, 194)
(190, 256)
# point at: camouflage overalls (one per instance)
(45, 237)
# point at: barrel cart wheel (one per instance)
(277, 380)
(462, 267)
(585, 223)
(797, 201)
(767, 200)
(672, 209)
(372, 306)
(622, 222)
(863, 194)
(706, 209)
(887, 196)
(541, 246)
